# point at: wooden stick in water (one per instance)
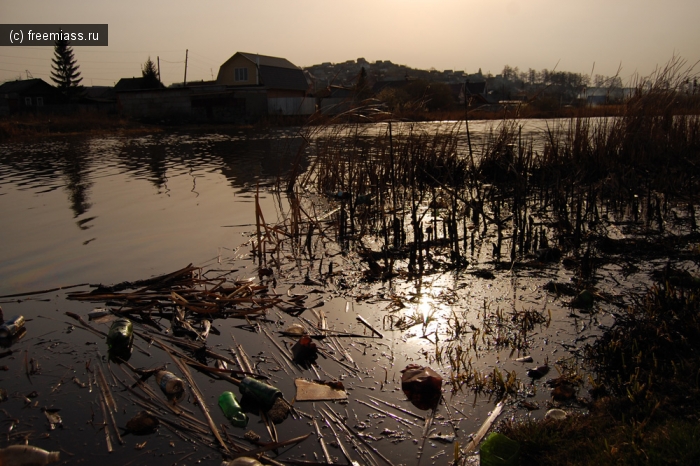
(484, 428)
(106, 426)
(369, 326)
(197, 394)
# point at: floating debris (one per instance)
(499, 449)
(242, 461)
(556, 414)
(99, 313)
(584, 300)
(12, 327)
(319, 391)
(172, 386)
(27, 455)
(443, 438)
(53, 417)
(143, 423)
(422, 385)
(530, 406)
(232, 410)
(279, 411)
(305, 350)
(120, 339)
(564, 390)
(295, 330)
(79, 383)
(538, 372)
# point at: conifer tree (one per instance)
(362, 88)
(65, 69)
(150, 75)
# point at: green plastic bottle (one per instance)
(120, 338)
(232, 410)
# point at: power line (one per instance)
(81, 49)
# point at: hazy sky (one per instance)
(571, 35)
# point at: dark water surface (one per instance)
(112, 209)
(103, 210)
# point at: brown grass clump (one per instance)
(19, 127)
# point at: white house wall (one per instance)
(291, 106)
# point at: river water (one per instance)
(108, 209)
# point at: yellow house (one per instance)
(278, 76)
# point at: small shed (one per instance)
(28, 96)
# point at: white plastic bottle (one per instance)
(242, 461)
(27, 455)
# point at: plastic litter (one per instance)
(319, 391)
(98, 313)
(12, 327)
(264, 394)
(27, 455)
(556, 414)
(143, 423)
(305, 350)
(120, 338)
(172, 386)
(538, 372)
(422, 386)
(53, 417)
(242, 461)
(583, 300)
(295, 330)
(232, 410)
(499, 450)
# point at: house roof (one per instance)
(265, 60)
(129, 84)
(22, 86)
(134, 84)
(283, 78)
(275, 72)
(476, 88)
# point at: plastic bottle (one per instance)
(12, 327)
(232, 410)
(171, 385)
(242, 461)
(263, 393)
(120, 338)
(27, 455)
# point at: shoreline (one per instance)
(19, 127)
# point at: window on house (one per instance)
(39, 101)
(28, 101)
(241, 74)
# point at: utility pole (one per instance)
(185, 82)
(158, 69)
